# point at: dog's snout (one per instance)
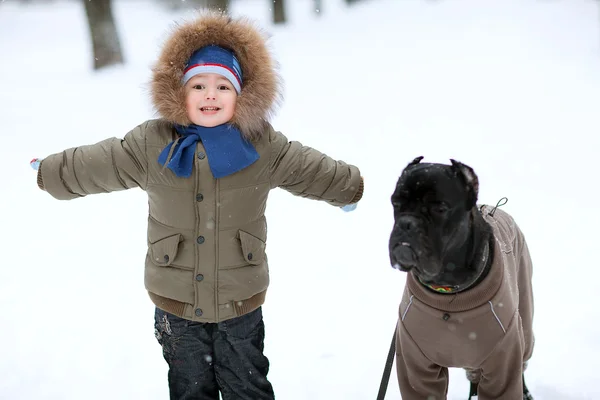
(407, 223)
(405, 256)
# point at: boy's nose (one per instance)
(210, 93)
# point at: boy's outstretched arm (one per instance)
(110, 165)
(307, 172)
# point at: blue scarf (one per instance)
(226, 149)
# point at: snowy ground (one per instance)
(510, 87)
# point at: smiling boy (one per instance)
(207, 166)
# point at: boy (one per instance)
(207, 166)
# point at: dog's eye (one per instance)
(439, 208)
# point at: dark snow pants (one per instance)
(207, 358)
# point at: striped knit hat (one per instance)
(216, 60)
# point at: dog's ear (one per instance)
(410, 164)
(470, 179)
(415, 161)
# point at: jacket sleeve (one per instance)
(110, 165)
(306, 172)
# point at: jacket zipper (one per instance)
(197, 268)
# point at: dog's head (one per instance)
(432, 205)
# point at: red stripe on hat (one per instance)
(214, 65)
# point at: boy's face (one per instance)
(209, 100)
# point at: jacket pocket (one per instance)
(164, 251)
(253, 249)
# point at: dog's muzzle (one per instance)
(405, 257)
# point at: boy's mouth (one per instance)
(209, 109)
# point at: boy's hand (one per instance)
(349, 207)
(35, 163)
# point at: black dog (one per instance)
(468, 300)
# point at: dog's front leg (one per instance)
(418, 377)
(502, 371)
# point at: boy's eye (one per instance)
(223, 87)
(198, 87)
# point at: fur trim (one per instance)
(261, 90)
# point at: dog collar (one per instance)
(441, 289)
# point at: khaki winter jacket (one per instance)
(206, 258)
(488, 327)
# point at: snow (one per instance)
(509, 87)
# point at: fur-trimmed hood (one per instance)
(261, 89)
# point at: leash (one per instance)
(388, 368)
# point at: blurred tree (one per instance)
(352, 1)
(179, 4)
(105, 40)
(278, 12)
(220, 5)
(318, 6)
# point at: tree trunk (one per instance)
(318, 6)
(220, 5)
(278, 12)
(105, 40)
(187, 4)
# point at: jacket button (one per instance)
(199, 197)
(200, 239)
(166, 258)
(201, 155)
(249, 256)
(199, 277)
(198, 312)
(446, 317)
